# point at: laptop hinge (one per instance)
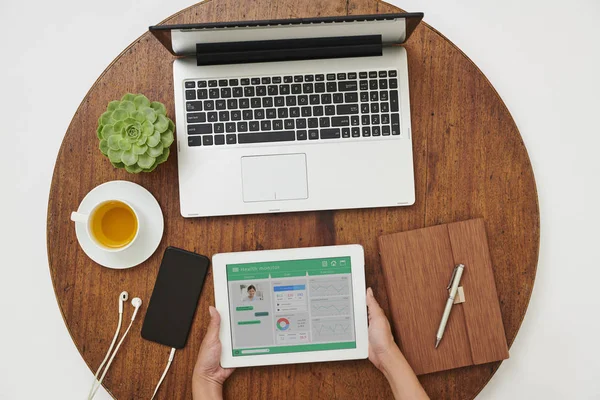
(288, 49)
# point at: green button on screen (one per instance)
(261, 314)
(249, 322)
(244, 308)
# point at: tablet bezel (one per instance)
(357, 263)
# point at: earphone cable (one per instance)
(171, 356)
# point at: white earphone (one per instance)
(136, 302)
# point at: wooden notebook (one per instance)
(417, 266)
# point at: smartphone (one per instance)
(175, 297)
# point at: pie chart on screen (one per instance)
(283, 324)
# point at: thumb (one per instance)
(373, 306)
(212, 333)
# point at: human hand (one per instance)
(209, 376)
(381, 341)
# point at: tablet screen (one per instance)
(291, 306)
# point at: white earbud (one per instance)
(137, 303)
(123, 297)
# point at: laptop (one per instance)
(292, 115)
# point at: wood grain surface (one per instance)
(470, 161)
(417, 266)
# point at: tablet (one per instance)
(291, 306)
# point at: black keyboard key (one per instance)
(331, 87)
(375, 119)
(331, 77)
(236, 115)
(395, 124)
(289, 123)
(351, 75)
(383, 84)
(365, 120)
(317, 111)
(338, 98)
(247, 115)
(190, 95)
(347, 86)
(238, 91)
(382, 74)
(303, 100)
(261, 90)
(264, 137)
(266, 81)
(222, 82)
(220, 105)
(244, 103)
(193, 106)
(355, 132)
(249, 91)
(231, 139)
(366, 131)
(374, 96)
(393, 73)
(296, 88)
(232, 103)
(309, 78)
(307, 88)
(298, 78)
(288, 79)
(276, 79)
(372, 74)
(233, 82)
(313, 134)
(242, 126)
(282, 112)
(373, 84)
(333, 133)
(219, 139)
(329, 110)
(364, 85)
(290, 101)
(259, 114)
(393, 84)
(340, 121)
(364, 96)
(273, 90)
(271, 113)
(265, 125)
(362, 75)
(212, 83)
(255, 81)
(200, 129)
(284, 89)
(278, 125)
(394, 100)
(193, 118)
(376, 131)
(351, 97)
(202, 84)
(324, 122)
(254, 126)
(245, 81)
(279, 101)
(267, 102)
(313, 122)
(301, 123)
(364, 108)
(219, 128)
(207, 140)
(345, 132)
(319, 87)
(255, 102)
(314, 99)
(341, 76)
(306, 111)
(385, 119)
(190, 85)
(355, 120)
(385, 107)
(294, 112)
(385, 130)
(326, 98)
(223, 116)
(301, 135)
(347, 109)
(383, 95)
(212, 116)
(213, 93)
(319, 78)
(194, 141)
(374, 107)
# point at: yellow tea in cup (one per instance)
(113, 224)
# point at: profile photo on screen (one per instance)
(250, 292)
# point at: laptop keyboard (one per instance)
(221, 112)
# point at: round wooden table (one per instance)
(470, 161)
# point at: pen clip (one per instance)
(452, 278)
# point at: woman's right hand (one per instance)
(381, 341)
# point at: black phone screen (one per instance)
(175, 297)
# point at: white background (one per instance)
(546, 70)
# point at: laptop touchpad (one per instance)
(274, 177)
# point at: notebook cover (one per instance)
(417, 266)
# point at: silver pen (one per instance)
(453, 286)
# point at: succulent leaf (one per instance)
(134, 169)
(104, 146)
(167, 138)
(129, 158)
(106, 118)
(107, 131)
(127, 106)
(113, 142)
(124, 144)
(120, 114)
(115, 155)
(159, 108)
(155, 151)
(141, 101)
(128, 97)
(163, 157)
(138, 116)
(139, 149)
(113, 105)
(150, 114)
(145, 161)
(154, 139)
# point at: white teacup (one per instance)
(112, 225)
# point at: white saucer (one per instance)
(150, 221)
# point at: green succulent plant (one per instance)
(135, 133)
